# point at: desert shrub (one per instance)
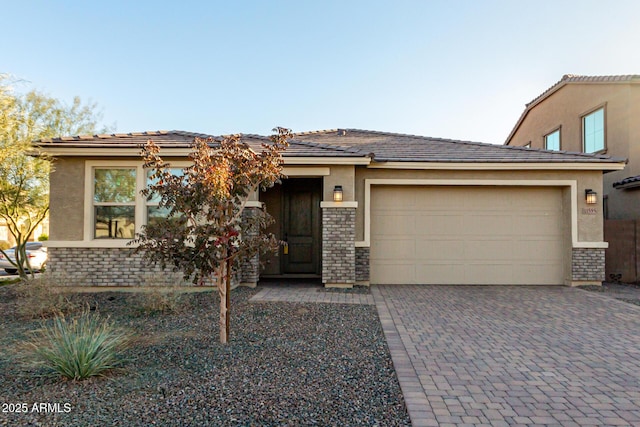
(44, 297)
(159, 294)
(4, 245)
(43, 237)
(80, 347)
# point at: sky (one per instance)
(451, 69)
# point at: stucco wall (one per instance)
(340, 175)
(66, 214)
(567, 106)
(625, 204)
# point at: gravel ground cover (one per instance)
(628, 293)
(286, 365)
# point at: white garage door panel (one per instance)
(466, 235)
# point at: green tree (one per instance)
(202, 234)
(24, 178)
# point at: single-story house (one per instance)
(356, 207)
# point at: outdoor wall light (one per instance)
(337, 193)
(591, 196)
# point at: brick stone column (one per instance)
(249, 267)
(338, 244)
(587, 265)
(362, 265)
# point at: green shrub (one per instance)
(81, 347)
(43, 237)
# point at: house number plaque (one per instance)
(589, 211)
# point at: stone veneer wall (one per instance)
(362, 264)
(121, 267)
(338, 246)
(249, 267)
(109, 267)
(587, 264)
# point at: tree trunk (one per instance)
(222, 289)
(228, 296)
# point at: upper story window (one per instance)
(552, 140)
(593, 131)
(114, 203)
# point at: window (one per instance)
(552, 140)
(114, 203)
(593, 131)
(114, 206)
(528, 145)
(154, 212)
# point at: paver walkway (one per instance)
(309, 293)
(495, 356)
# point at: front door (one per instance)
(301, 226)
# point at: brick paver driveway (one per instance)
(488, 355)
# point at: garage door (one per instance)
(466, 235)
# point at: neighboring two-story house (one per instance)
(595, 114)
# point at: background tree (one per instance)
(202, 234)
(24, 180)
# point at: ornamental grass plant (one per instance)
(44, 296)
(159, 294)
(80, 347)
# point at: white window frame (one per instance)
(140, 201)
(546, 138)
(604, 129)
(108, 204)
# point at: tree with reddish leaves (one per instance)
(203, 233)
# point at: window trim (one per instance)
(544, 138)
(95, 204)
(140, 216)
(602, 107)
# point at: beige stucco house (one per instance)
(591, 114)
(357, 207)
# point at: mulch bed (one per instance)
(286, 365)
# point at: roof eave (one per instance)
(492, 165)
(627, 186)
(128, 152)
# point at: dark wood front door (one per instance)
(301, 226)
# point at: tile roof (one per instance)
(573, 78)
(630, 182)
(182, 139)
(385, 146)
(355, 143)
